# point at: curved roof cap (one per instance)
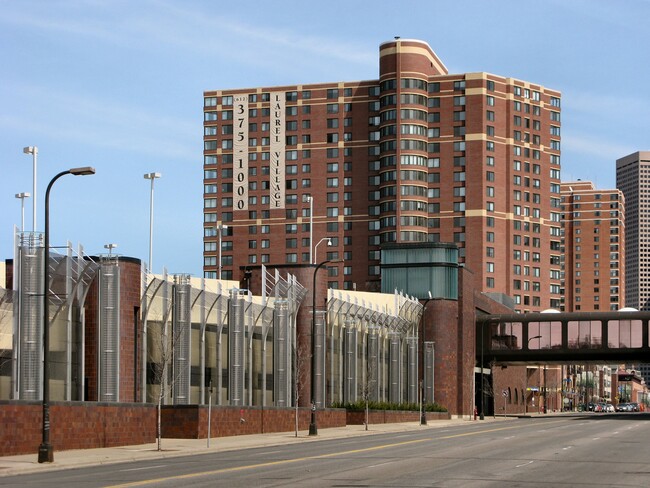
(423, 49)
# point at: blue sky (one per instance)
(118, 85)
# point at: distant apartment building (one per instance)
(594, 247)
(633, 179)
(333, 171)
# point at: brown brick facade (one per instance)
(130, 333)
(75, 425)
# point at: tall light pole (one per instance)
(220, 228)
(329, 243)
(22, 197)
(423, 413)
(46, 450)
(33, 150)
(152, 177)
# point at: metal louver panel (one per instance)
(109, 332)
(428, 372)
(373, 367)
(412, 373)
(236, 347)
(181, 333)
(350, 364)
(30, 326)
(319, 359)
(282, 356)
(394, 370)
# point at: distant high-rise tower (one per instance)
(594, 248)
(633, 179)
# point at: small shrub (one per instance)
(360, 406)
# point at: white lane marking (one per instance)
(141, 469)
(381, 464)
(525, 464)
(567, 447)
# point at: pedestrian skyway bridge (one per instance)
(562, 337)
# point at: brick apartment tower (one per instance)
(418, 155)
(594, 248)
(633, 179)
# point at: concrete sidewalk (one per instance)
(27, 463)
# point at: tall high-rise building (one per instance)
(304, 173)
(633, 179)
(594, 248)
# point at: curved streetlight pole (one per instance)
(329, 243)
(46, 450)
(313, 428)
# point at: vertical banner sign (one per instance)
(278, 184)
(240, 152)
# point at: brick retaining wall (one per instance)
(191, 421)
(74, 425)
(86, 425)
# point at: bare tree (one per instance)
(164, 344)
(368, 384)
(585, 384)
(301, 363)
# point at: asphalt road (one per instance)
(595, 450)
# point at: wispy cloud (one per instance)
(602, 103)
(105, 123)
(188, 27)
(595, 147)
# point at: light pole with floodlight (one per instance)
(220, 228)
(46, 450)
(33, 150)
(22, 197)
(152, 177)
(110, 248)
(310, 199)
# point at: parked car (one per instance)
(591, 406)
(635, 407)
(599, 407)
(609, 407)
(623, 407)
